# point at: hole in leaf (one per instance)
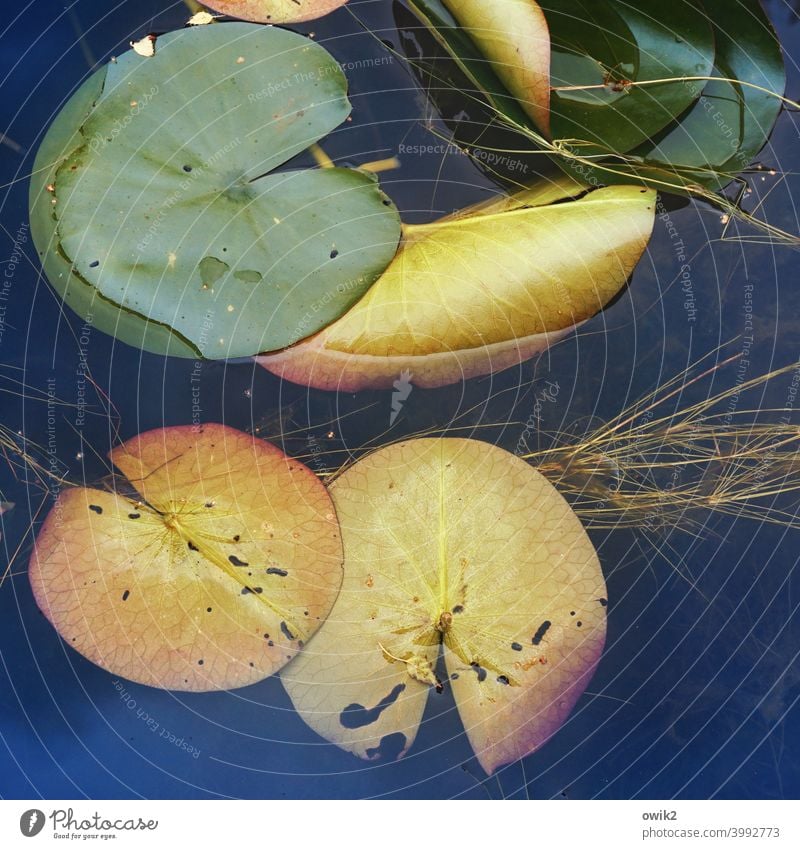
(357, 716)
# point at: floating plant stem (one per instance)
(787, 101)
(663, 469)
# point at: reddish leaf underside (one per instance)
(276, 11)
(213, 578)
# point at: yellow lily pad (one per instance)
(457, 546)
(515, 35)
(478, 293)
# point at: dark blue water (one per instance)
(696, 695)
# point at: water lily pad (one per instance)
(159, 208)
(480, 292)
(453, 545)
(276, 11)
(212, 574)
(597, 50)
(612, 44)
(514, 37)
(727, 126)
(468, 56)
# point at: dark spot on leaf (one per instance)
(540, 632)
(95, 509)
(516, 646)
(209, 609)
(94, 264)
(502, 679)
(236, 562)
(273, 570)
(187, 169)
(357, 716)
(248, 275)
(286, 632)
(258, 590)
(572, 613)
(479, 670)
(579, 623)
(211, 269)
(459, 608)
(199, 662)
(603, 601)
(270, 643)
(454, 676)
(266, 636)
(134, 515)
(390, 748)
(125, 595)
(334, 253)
(236, 538)
(192, 546)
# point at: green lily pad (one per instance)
(165, 217)
(611, 44)
(606, 44)
(722, 132)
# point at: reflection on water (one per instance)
(696, 692)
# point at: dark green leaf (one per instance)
(612, 44)
(721, 133)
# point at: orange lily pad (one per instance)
(211, 575)
(275, 11)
